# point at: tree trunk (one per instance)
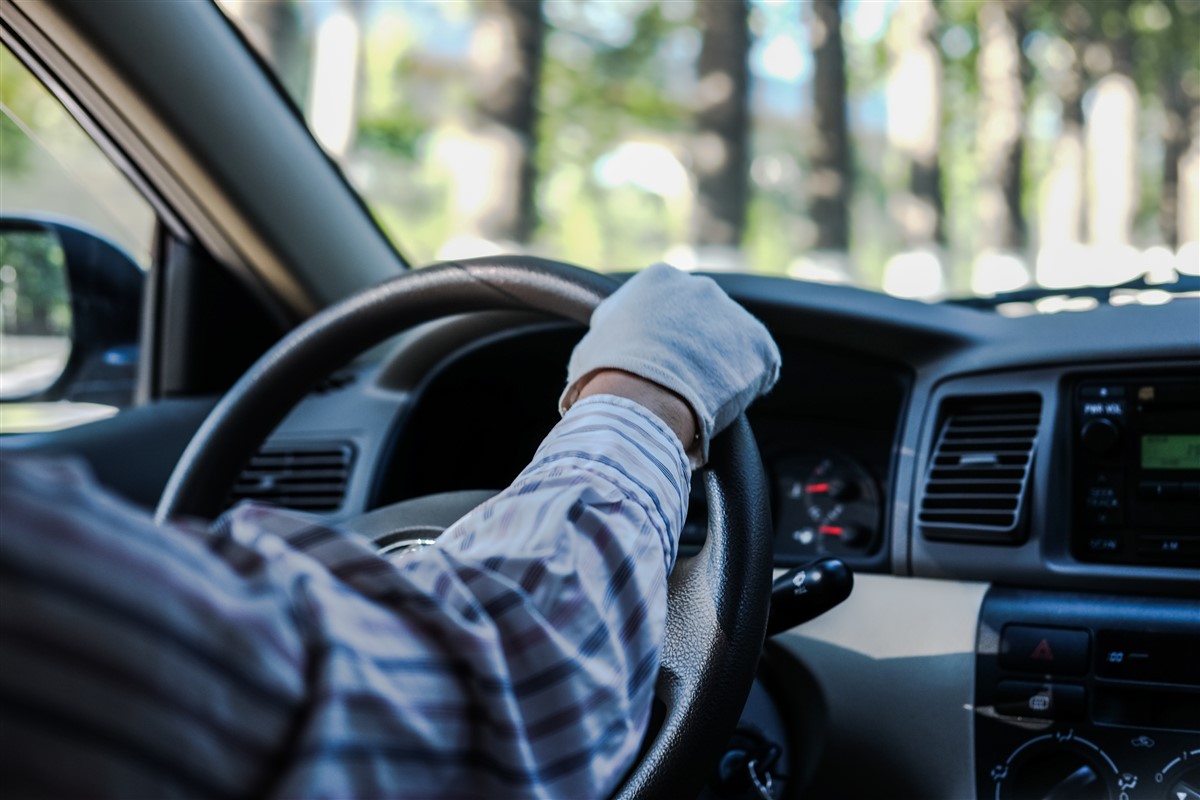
(1176, 140)
(721, 149)
(1182, 128)
(915, 120)
(830, 174)
(1003, 78)
(506, 64)
(1062, 211)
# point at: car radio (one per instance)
(1135, 458)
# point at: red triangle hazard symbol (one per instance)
(1042, 652)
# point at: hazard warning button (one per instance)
(1055, 651)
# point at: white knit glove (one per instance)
(684, 333)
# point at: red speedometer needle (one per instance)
(831, 530)
(817, 488)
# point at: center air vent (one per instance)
(306, 477)
(976, 486)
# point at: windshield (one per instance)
(925, 149)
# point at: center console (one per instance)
(1087, 697)
(1135, 459)
(1093, 696)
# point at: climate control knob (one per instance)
(1057, 775)
(1060, 766)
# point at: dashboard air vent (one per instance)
(976, 485)
(306, 477)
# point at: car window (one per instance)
(921, 148)
(55, 181)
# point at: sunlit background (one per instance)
(1006, 149)
(927, 149)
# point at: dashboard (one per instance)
(1019, 499)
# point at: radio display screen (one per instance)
(1171, 451)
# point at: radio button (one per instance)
(1103, 499)
(1183, 547)
(1106, 517)
(1100, 435)
(1104, 545)
(1160, 490)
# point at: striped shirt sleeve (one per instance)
(516, 657)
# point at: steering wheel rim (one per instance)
(718, 600)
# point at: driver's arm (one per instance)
(274, 657)
(543, 611)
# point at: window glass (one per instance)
(927, 149)
(49, 166)
(51, 170)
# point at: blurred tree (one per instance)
(830, 171)
(276, 29)
(34, 298)
(506, 65)
(915, 120)
(1003, 79)
(1112, 128)
(1057, 186)
(17, 98)
(720, 151)
(1170, 33)
(607, 84)
(332, 109)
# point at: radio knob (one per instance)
(1099, 435)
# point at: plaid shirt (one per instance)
(268, 656)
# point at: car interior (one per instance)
(1016, 497)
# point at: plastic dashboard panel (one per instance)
(1045, 558)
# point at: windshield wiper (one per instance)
(1182, 284)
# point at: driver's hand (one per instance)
(685, 334)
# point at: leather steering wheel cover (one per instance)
(718, 600)
(714, 638)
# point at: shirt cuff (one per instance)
(629, 446)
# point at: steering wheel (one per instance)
(717, 600)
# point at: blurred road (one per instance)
(30, 363)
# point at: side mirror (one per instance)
(70, 308)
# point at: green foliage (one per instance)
(616, 73)
(14, 146)
(33, 284)
(594, 96)
(16, 100)
(398, 133)
(769, 249)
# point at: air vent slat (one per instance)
(251, 475)
(963, 521)
(998, 446)
(970, 502)
(973, 488)
(1002, 459)
(977, 473)
(978, 476)
(304, 477)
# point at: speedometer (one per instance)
(827, 503)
